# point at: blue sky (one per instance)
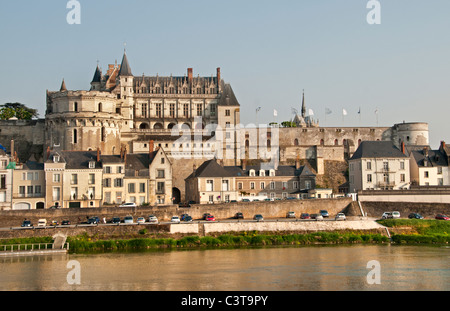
(269, 51)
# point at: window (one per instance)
(74, 179)
(213, 109)
(30, 176)
(439, 170)
(252, 173)
(308, 184)
(209, 185)
(37, 190)
(91, 164)
(91, 193)
(107, 169)
(73, 193)
(426, 174)
(440, 181)
(402, 178)
(295, 185)
(272, 185)
(160, 187)
(119, 169)
(369, 178)
(56, 177)
(108, 197)
(386, 166)
(107, 182)
(2, 181)
(131, 188)
(225, 185)
(227, 112)
(262, 185)
(30, 191)
(386, 178)
(211, 198)
(158, 110)
(144, 110)
(240, 186)
(75, 106)
(252, 185)
(118, 182)
(163, 160)
(402, 165)
(186, 110)
(21, 191)
(142, 188)
(172, 110)
(160, 174)
(56, 193)
(199, 109)
(262, 173)
(75, 136)
(91, 179)
(369, 166)
(285, 185)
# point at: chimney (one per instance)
(244, 164)
(12, 148)
(442, 145)
(151, 146)
(98, 154)
(218, 76)
(190, 74)
(125, 155)
(425, 151)
(297, 162)
(48, 152)
(403, 147)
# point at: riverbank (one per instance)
(403, 231)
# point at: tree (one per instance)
(18, 110)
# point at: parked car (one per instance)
(184, 204)
(317, 216)
(395, 214)
(115, 220)
(340, 216)
(93, 220)
(258, 217)
(184, 216)
(152, 219)
(175, 219)
(188, 219)
(42, 223)
(387, 215)
(210, 218)
(141, 220)
(324, 213)
(131, 204)
(54, 223)
(245, 200)
(128, 219)
(305, 216)
(205, 215)
(27, 223)
(290, 215)
(415, 216)
(65, 223)
(442, 217)
(239, 215)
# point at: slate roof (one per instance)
(76, 159)
(210, 168)
(125, 69)
(377, 149)
(434, 158)
(97, 75)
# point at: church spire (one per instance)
(303, 105)
(125, 69)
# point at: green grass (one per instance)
(424, 231)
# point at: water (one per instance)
(324, 268)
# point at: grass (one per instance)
(421, 231)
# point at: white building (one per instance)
(430, 167)
(379, 165)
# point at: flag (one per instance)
(344, 112)
(376, 111)
(359, 111)
(258, 109)
(275, 113)
(3, 148)
(327, 111)
(311, 112)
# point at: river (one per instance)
(310, 268)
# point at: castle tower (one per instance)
(97, 80)
(125, 93)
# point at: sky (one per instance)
(269, 51)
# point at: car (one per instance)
(305, 216)
(395, 214)
(115, 220)
(184, 216)
(152, 219)
(54, 223)
(387, 215)
(290, 215)
(239, 215)
(131, 204)
(317, 216)
(65, 222)
(53, 207)
(141, 220)
(175, 219)
(415, 216)
(340, 216)
(205, 215)
(442, 217)
(258, 217)
(245, 200)
(184, 204)
(187, 218)
(324, 213)
(27, 223)
(42, 222)
(93, 220)
(128, 219)
(210, 218)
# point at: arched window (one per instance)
(100, 107)
(336, 142)
(75, 136)
(75, 106)
(322, 142)
(296, 142)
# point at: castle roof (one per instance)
(125, 69)
(377, 149)
(97, 75)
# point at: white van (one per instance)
(42, 223)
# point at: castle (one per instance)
(192, 118)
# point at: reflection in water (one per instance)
(251, 269)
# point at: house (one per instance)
(6, 168)
(28, 186)
(429, 167)
(379, 165)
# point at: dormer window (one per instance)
(91, 164)
(272, 173)
(56, 158)
(252, 173)
(262, 173)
